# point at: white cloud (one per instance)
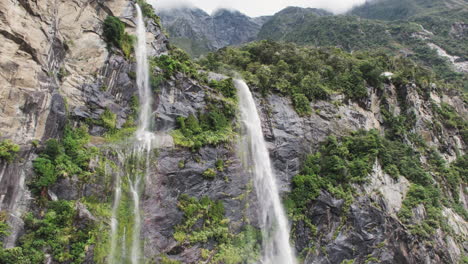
(259, 7)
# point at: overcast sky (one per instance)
(260, 7)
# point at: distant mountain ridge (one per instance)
(433, 33)
(403, 9)
(281, 23)
(197, 32)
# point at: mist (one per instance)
(258, 7)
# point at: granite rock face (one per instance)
(55, 67)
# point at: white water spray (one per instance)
(142, 75)
(141, 150)
(114, 220)
(275, 227)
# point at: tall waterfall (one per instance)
(275, 227)
(135, 163)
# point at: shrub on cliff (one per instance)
(8, 150)
(114, 31)
(115, 35)
(63, 158)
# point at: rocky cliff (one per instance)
(58, 73)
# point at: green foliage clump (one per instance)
(301, 104)
(219, 165)
(204, 223)
(63, 158)
(209, 173)
(4, 227)
(211, 213)
(226, 87)
(113, 30)
(210, 128)
(53, 233)
(115, 35)
(176, 61)
(108, 120)
(8, 150)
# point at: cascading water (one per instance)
(135, 164)
(275, 227)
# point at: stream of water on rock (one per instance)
(135, 161)
(274, 224)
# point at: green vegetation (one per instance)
(8, 150)
(340, 163)
(449, 117)
(452, 176)
(194, 47)
(204, 223)
(225, 87)
(108, 120)
(63, 158)
(209, 173)
(54, 233)
(214, 125)
(301, 104)
(176, 61)
(307, 74)
(407, 36)
(166, 260)
(212, 129)
(396, 10)
(3, 227)
(282, 22)
(148, 11)
(429, 197)
(115, 35)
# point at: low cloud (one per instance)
(259, 7)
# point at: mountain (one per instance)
(436, 39)
(367, 151)
(403, 9)
(282, 22)
(196, 32)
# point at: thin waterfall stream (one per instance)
(135, 163)
(274, 224)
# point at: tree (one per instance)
(8, 150)
(301, 104)
(114, 31)
(312, 88)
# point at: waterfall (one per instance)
(134, 160)
(142, 75)
(274, 224)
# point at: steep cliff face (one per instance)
(56, 66)
(198, 203)
(371, 231)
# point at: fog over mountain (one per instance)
(259, 7)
